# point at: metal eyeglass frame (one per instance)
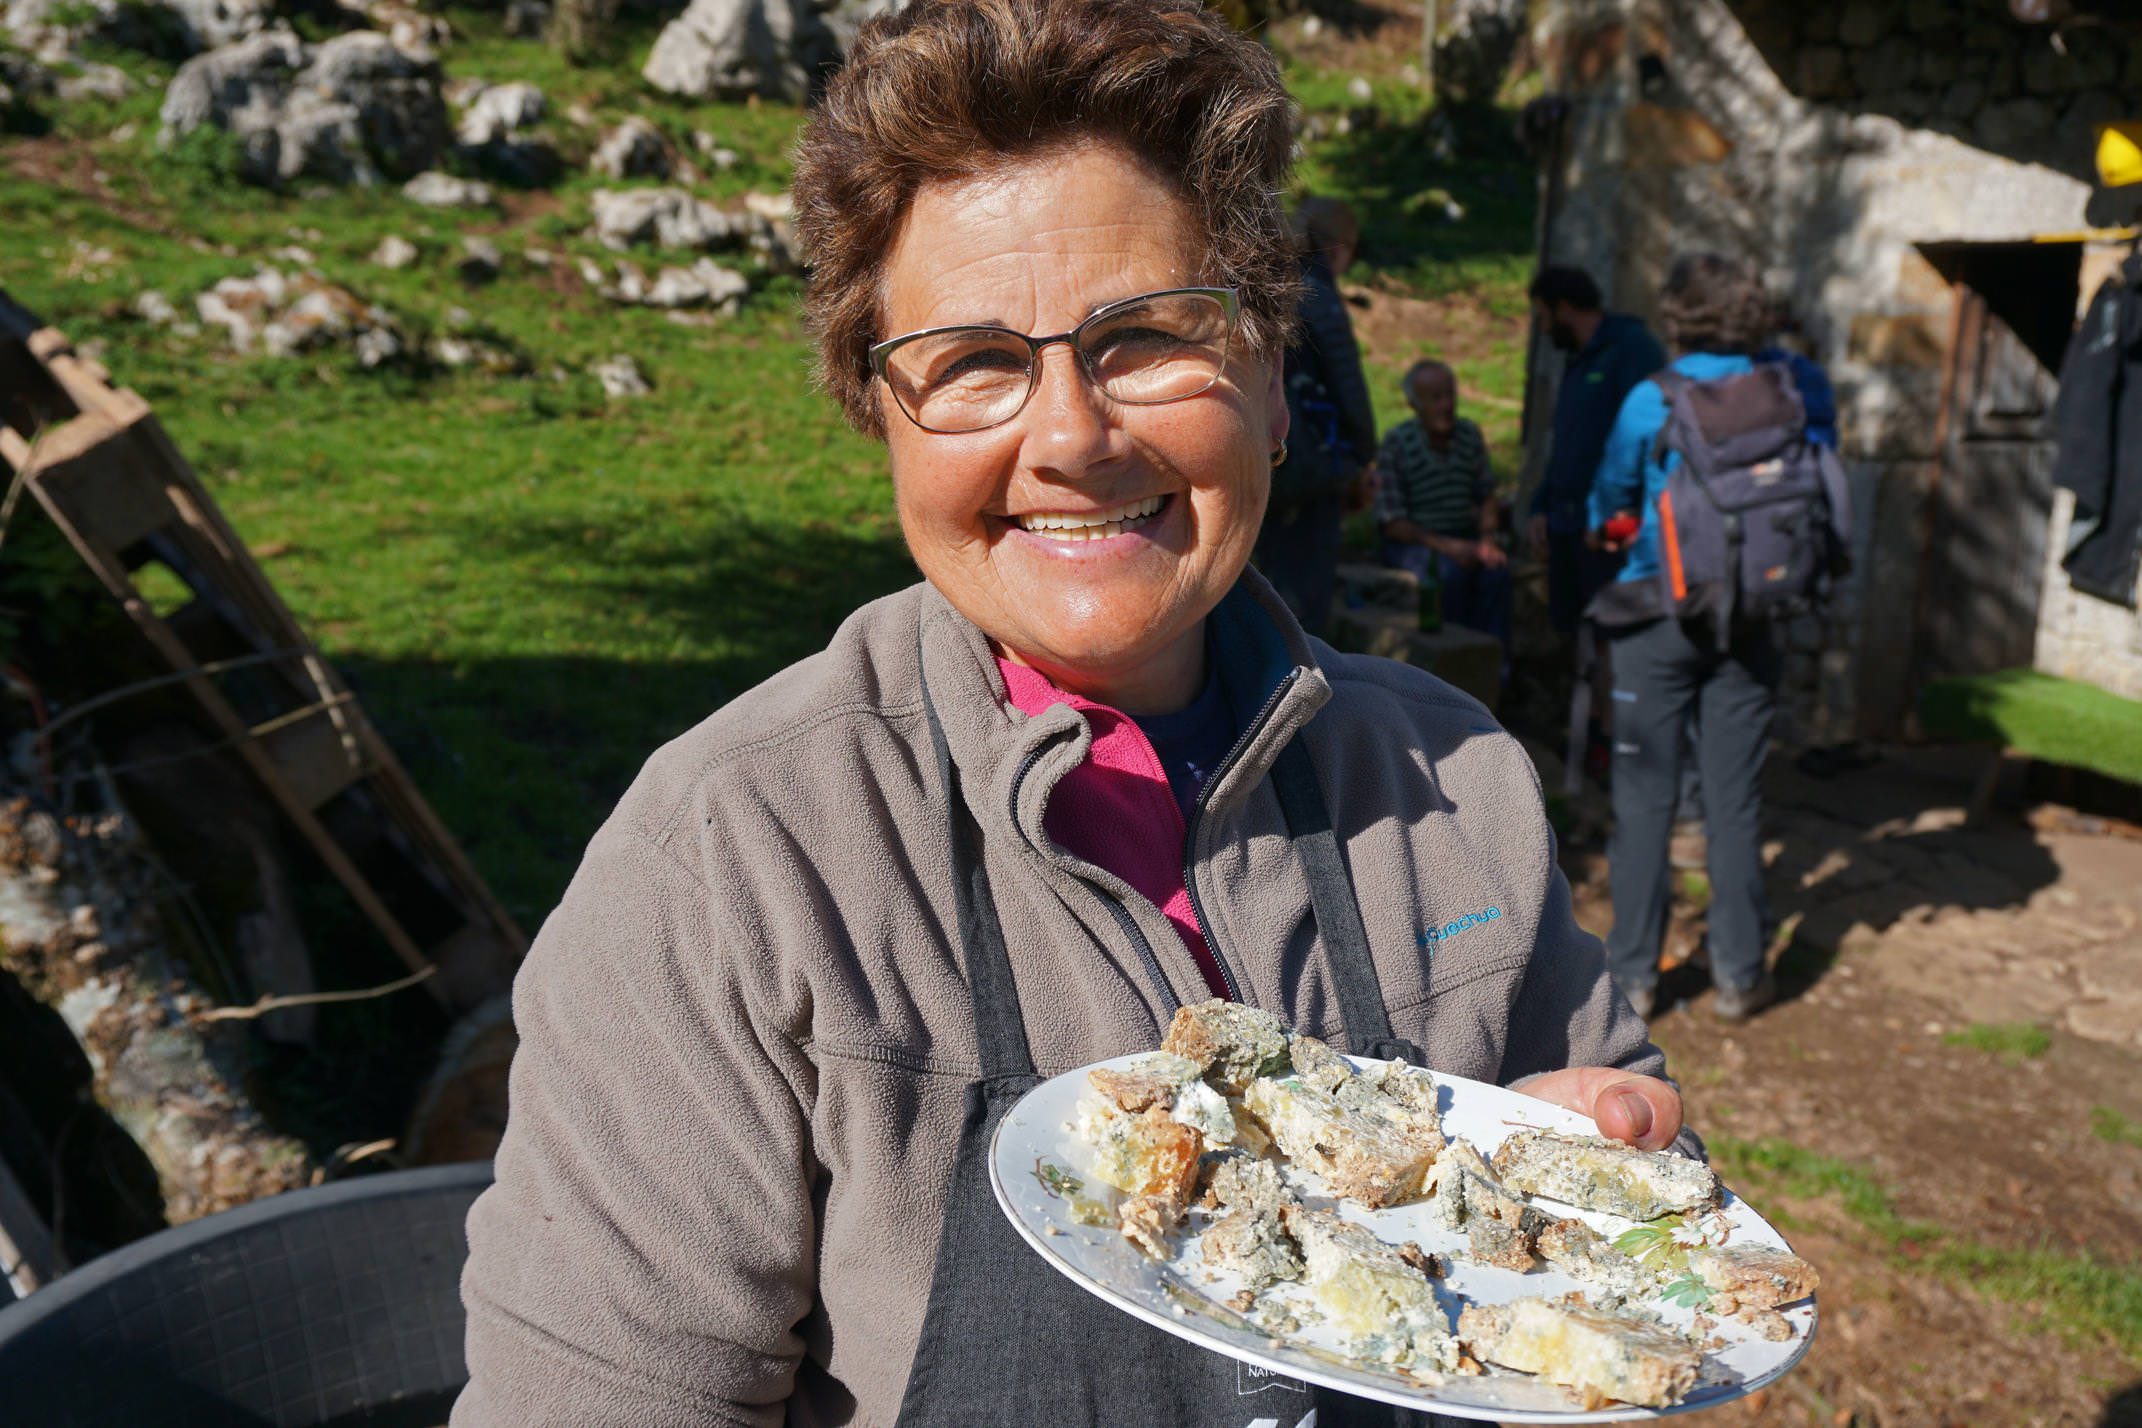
(1230, 306)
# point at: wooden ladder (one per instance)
(99, 463)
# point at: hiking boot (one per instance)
(1689, 849)
(1740, 1003)
(1644, 999)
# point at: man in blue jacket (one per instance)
(1609, 353)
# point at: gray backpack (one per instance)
(1755, 521)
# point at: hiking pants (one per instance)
(1661, 677)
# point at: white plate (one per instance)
(1179, 1297)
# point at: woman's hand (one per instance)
(1641, 1110)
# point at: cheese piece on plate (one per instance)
(1593, 1173)
(1150, 1156)
(1602, 1354)
(1251, 1238)
(1582, 1252)
(1362, 1153)
(1232, 1044)
(1754, 1276)
(1371, 1292)
(1498, 1226)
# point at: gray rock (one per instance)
(351, 110)
(728, 49)
(394, 251)
(665, 217)
(282, 317)
(621, 377)
(481, 262)
(499, 111)
(704, 284)
(634, 149)
(846, 18)
(710, 149)
(174, 29)
(154, 308)
(434, 189)
(92, 80)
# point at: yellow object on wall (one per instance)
(2119, 153)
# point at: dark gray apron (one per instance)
(1008, 1340)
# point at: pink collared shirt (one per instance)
(1115, 810)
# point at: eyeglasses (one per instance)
(1143, 351)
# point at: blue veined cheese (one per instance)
(1498, 1226)
(1376, 1150)
(1585, 1254)
(1593, 1173)
(1743, 1277)
(1603, 1355)
(1205, 1111)
(1232, 1044)
(1371, 1292)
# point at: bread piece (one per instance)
(1593, 1173)
(1591, 1350)
(1754, 1276)
(1580, 1250)
(1232, 1044)
(1361, 1154)
(1383, 1304)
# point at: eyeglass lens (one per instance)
(1161, 349)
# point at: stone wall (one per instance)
(1839, 146)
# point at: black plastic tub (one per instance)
(321, 1308)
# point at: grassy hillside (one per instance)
(533, 585)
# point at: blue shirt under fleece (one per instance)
(1628, 479)
(1191, 741)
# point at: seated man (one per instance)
(1436, 502)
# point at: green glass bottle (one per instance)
(1431, 599)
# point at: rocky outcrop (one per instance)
(499, 111)
(729, 49)
(174, 28)
(634, 149)
(282, 316)
(352, 110)
(664, 217)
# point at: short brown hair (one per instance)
(1712, 303)
(947, 89)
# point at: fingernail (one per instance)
(1638, 1110)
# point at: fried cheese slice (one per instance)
(1371, 1292)
(1594, 1173)
(1591, 1350)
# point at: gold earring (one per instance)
(1279, 453)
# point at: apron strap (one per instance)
(999, 1031)
(1331, 899)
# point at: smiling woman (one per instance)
(1089, 771)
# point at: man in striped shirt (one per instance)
(1435, 502)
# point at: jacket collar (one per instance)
(1010, 763)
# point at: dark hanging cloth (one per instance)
(2097, 421)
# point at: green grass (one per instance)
(2076, 1296)
(532, 586)
(2110, 1126)
(2012, 1041)
(2061, 721)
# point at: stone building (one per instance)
(1915, 178)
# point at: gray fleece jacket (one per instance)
(744, 1034)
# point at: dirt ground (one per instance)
(1854, 1064)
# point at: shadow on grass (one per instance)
(524, 757)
